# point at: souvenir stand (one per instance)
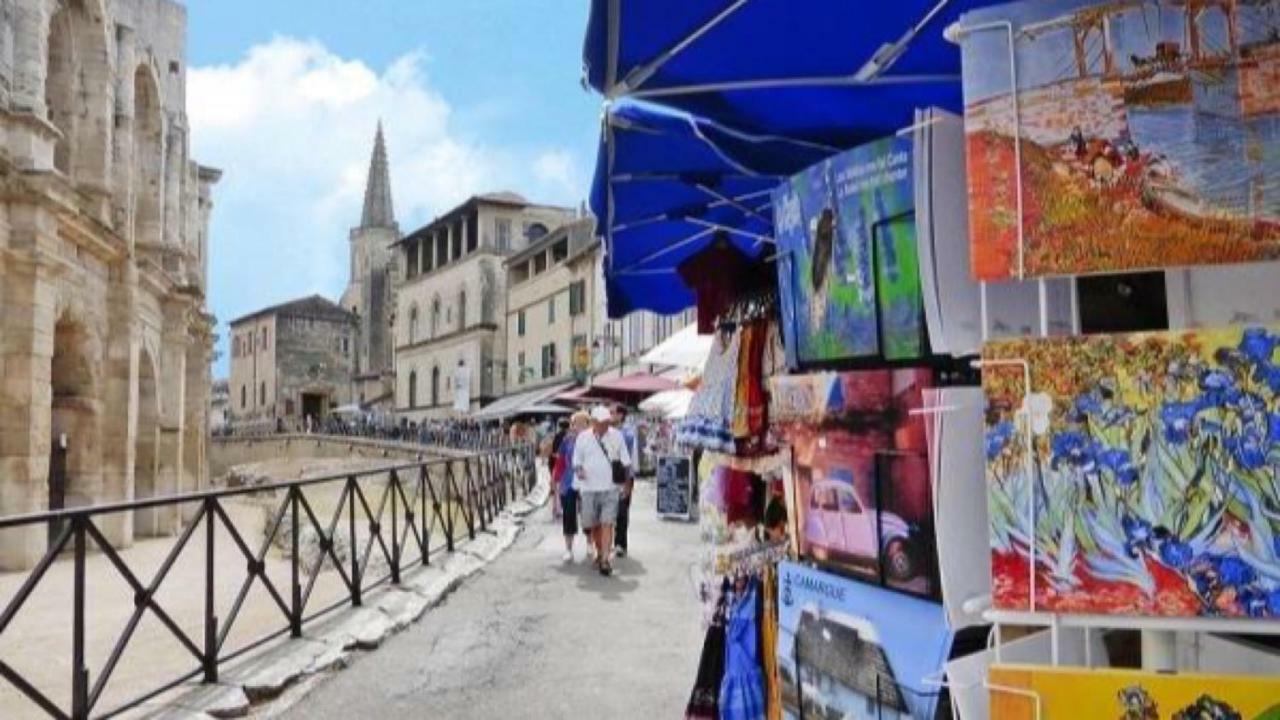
(991, 424)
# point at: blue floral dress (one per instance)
(742, 689)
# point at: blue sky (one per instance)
(283, 95)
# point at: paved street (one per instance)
(534, 638)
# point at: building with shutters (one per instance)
(451, 307)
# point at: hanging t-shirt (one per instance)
(718, 276)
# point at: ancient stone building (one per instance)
(451, 308)
(289, 361)
(371, 286)
(105, 341)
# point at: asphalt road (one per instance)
(532, 637)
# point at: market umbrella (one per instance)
(686, 349)
(837, 72)
(666, 183)
(668, 404)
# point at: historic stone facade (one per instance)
(290, 361)
(451, 306)
(105, 342)
(555, 307)
(374, 274)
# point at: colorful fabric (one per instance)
(706, 425)
(742, 690)
(769, 643)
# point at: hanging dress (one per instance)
(742, 690)
(704, 700)
(707, 423)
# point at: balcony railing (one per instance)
(400, 517)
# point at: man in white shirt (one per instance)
(594, 452)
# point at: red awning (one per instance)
(636, 383)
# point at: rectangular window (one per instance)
(577, 298)
(346, 347)
(549, 360)
(411, 259)
(520, 367)
(455, 241)
(520, 323)
(551, 310)
(502, 233)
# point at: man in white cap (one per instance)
(600, 464)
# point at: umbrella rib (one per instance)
(782, 83)
(638, 76)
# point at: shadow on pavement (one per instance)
(608, 588)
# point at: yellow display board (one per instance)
(1080, 694)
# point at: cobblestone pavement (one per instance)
(532, 637)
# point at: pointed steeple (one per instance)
(377, 190)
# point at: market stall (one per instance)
(989, 423)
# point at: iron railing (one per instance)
(423, 509)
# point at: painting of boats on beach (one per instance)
(1147, 135)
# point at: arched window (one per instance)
(462, 309)
(435, 317)
(535, 231)
(262, 393)
(76, 83)
(413, 389)
(148, 157)
(413, 324)
(435, 385)
(243, 396)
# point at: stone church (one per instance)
(105, 339)
(370, 292)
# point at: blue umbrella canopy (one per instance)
(666, 183)
(838, 72)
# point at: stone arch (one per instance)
(74, 414)
(146, 463)
(77, 90)
(148, 156)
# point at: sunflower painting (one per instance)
(1138, 474)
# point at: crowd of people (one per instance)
(460, 433)
(592, 457)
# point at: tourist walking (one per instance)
(628, 430)
(600, 463)
(563, 479)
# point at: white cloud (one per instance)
(291, 124)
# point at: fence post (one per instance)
(352, 550)
(448, 506)
(295, 614)
(478, 493)
(422, 498)
(210, 620)
(79, 673)
(392, 486)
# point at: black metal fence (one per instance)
(408, 514)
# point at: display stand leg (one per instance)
(1159, 651)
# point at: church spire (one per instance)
(377, 191)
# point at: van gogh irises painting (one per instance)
(1152, 485)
